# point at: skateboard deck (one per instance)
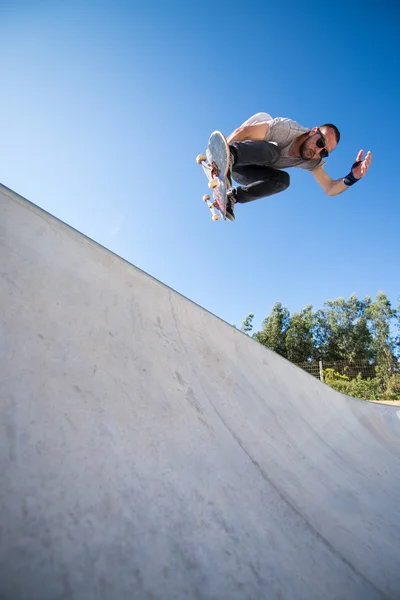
(215, 164)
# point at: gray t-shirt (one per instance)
(283, 132)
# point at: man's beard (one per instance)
(303, 150)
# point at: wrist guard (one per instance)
(350, 179)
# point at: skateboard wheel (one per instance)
(200, 158)
(215, 217)
(212, 184)
(206, 198)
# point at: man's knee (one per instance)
(284, 180)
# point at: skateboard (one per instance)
(215, 164)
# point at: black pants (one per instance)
(252, 168)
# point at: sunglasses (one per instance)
(321, 143)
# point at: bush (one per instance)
(366, 389)
(392, 391)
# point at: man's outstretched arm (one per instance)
(333, 187)
(254, 133)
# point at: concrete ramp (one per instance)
(150, 451)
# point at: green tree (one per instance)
(341, 330)
(247, 325)
(274, 329)
(397, 336)
(299, 336)
(381, 316)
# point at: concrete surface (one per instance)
(148, 450)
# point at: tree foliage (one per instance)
(341, 331)
(380, 317)
(274, 329)
(366, 389)
(299, 342)
(247, 324)
(345, 330)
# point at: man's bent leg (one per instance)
(259, 182)
(253, 153)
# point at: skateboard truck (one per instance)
(214, 171)
(212, 206)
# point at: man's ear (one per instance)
(313, 131)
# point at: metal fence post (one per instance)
(321, 371)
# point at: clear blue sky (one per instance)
(105, 105)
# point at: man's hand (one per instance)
(363, 167)
(335, 187)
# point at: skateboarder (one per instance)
(263, 146)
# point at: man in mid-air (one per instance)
(263, 146)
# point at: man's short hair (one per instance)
(335, 130)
